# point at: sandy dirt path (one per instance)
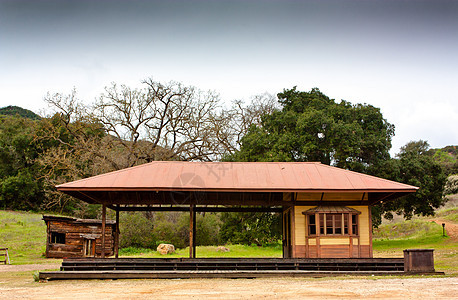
(30, 267)
(450, 228)
(392, 288)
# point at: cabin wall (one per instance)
(332, 247)
(75, 234)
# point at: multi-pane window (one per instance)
(332, 223)
(354, 222)
(312, 225)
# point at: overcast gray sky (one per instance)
(401, 56)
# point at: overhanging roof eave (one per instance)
(231, 190)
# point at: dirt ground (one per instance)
(450, 228)
(29, 267)
(372, 288)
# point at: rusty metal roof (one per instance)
(235, 177)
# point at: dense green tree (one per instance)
(251, 228)
(447, 157)
(415, 167)
(309, 126)
(312, 127)
(21, 186)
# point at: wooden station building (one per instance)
(326, 210)
(71, 237)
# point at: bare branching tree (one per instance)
(128, 126)
(242, 116)
(157, 122)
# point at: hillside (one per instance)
(447, 157)
(24, 234)
(22, 112)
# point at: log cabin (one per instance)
(326, 210)
(71, 237)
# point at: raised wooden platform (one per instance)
(137, 268)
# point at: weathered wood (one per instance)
(192, 231)
(76, 232)
(206, 274)
(137, 268)
(4, 253)
(104, 220)
(116, 245)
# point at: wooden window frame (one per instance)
(321, 228)
(55, 237)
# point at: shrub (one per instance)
(136, 230)
(258, 228)
(451, 185)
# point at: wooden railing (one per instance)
(4, 253)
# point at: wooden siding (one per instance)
(334, 241)
(363, 225)
(333, 251)
(341, 247)
(300, 229)
(75, 235)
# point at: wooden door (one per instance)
(286, 240)
(89, 248)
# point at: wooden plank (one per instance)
(210, 274)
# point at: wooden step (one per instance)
(201, 274)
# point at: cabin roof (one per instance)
(235, 177)
(76, 220)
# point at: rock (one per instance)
(165, 249)
(222, 249)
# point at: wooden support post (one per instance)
(350, 233)
(307, 234)
(117, 233)
(370, 231)
(293, 231)
(318, 234)
(104, 221)
(194, 234)
(192, 231)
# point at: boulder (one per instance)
(165, 249)
(222, 249)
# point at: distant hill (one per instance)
(447, 157)
(22, 112)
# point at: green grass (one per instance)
(408, 234)
(24, 234)
(391, 239)
(209, 251)
(450, 214)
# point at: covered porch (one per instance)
(325, 210)
(286, 188)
